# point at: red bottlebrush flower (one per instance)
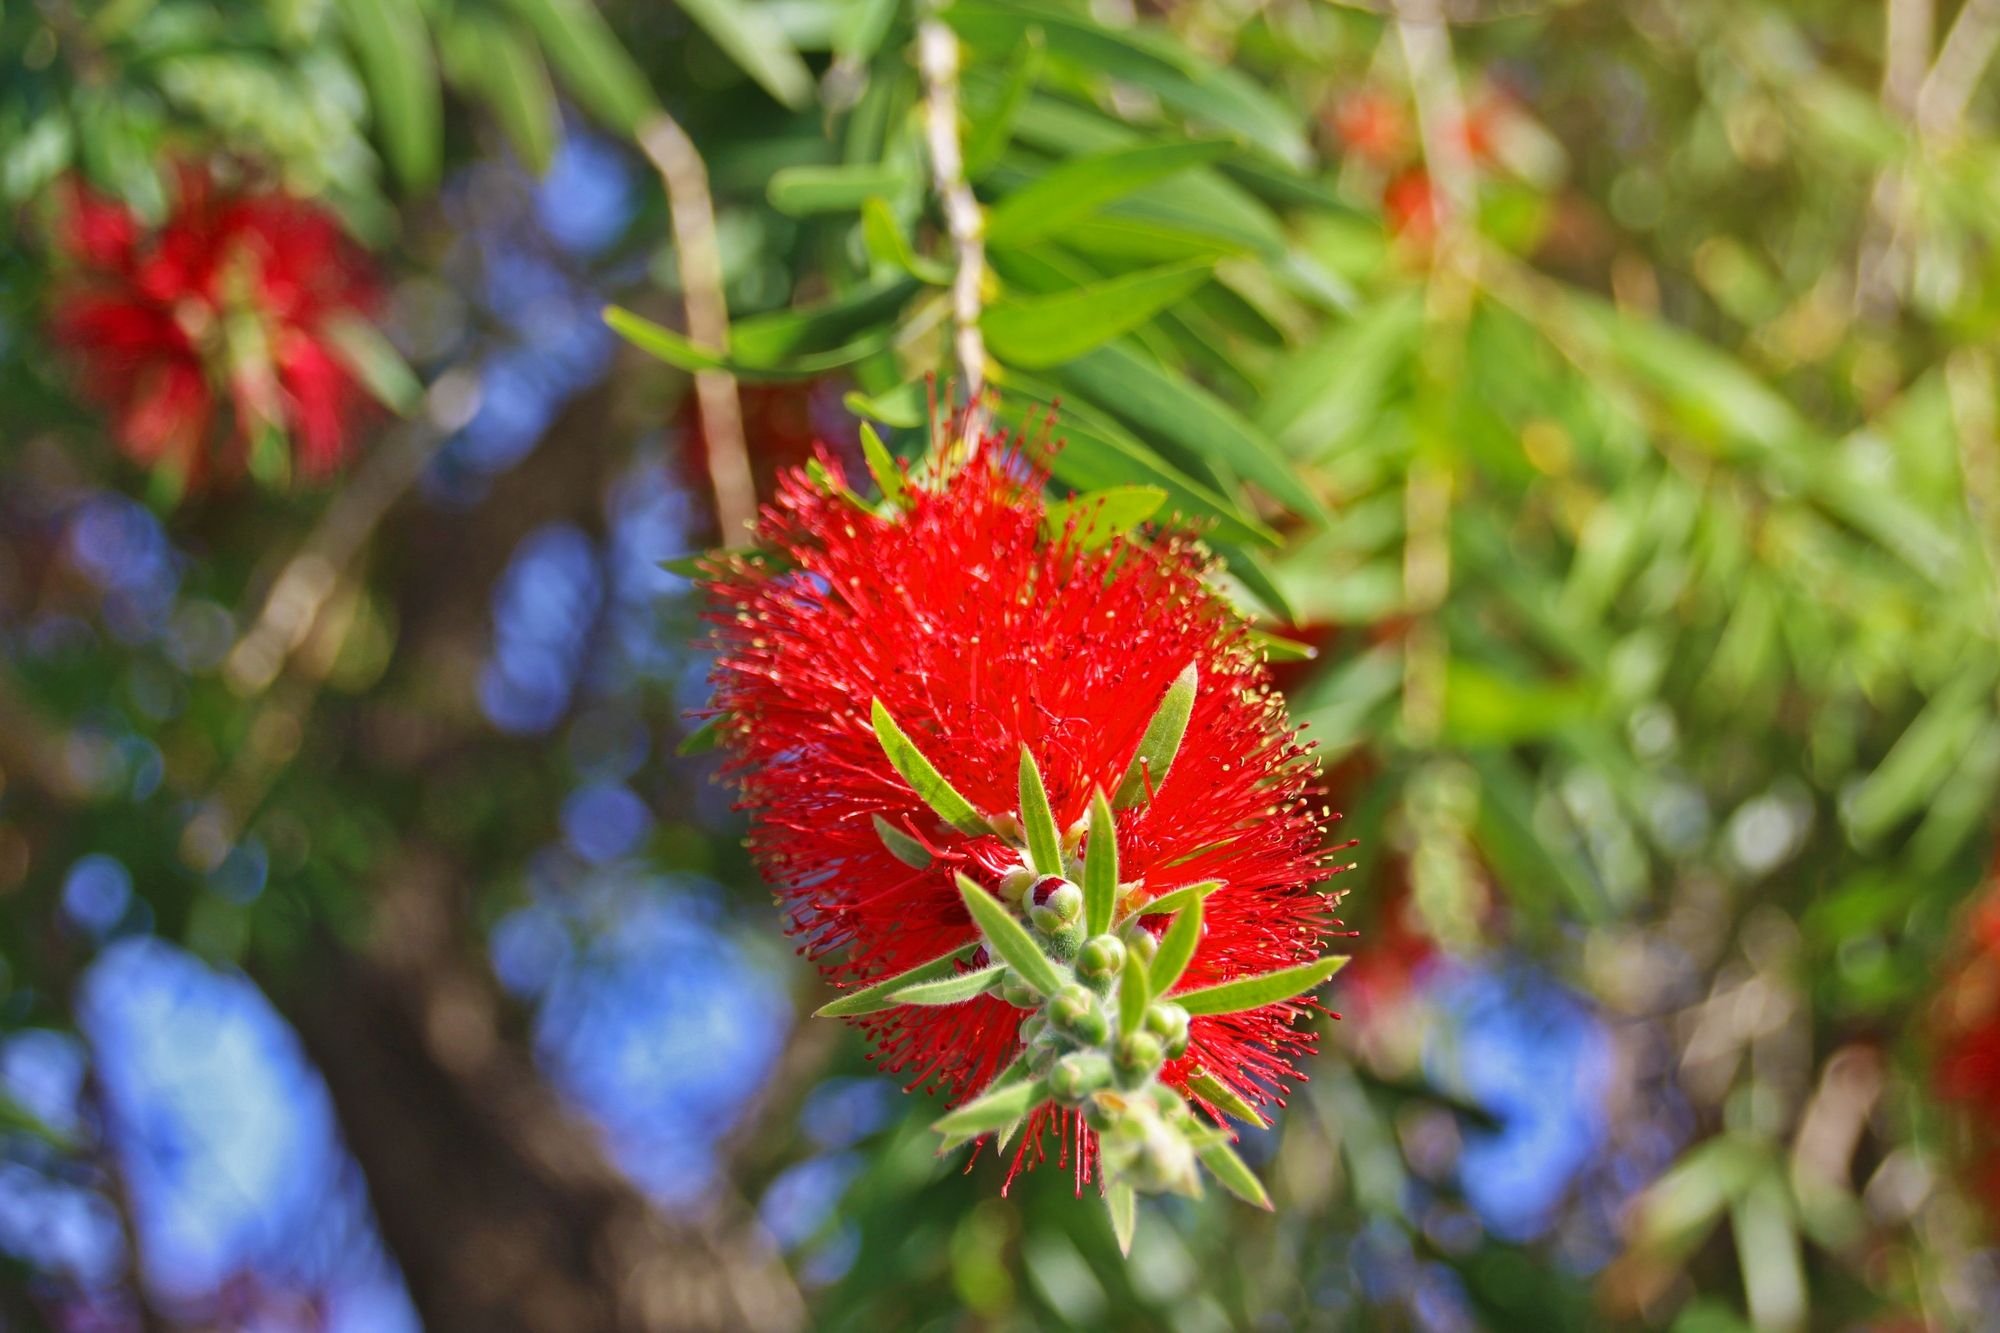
(228, 304)
(1372, 126)
(981, 633)
(1410, 202)
(1966, 1066)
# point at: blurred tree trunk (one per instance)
(496, 1201)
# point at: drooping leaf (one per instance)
(392, 44)
(1217, 1094)
(1233, 997)
(1083, 185)
(1008, 939)
(1123, 1202)
(952, 990)
(1236, 1177)
(874, 998)
(496, 62)
(1161, 742)
(806, 191)
(923, 777)
(1102, 516)
(901, 845)
(1175, 900)
(1036, 331)
(590, 60)
(993, 1111)
(703, 738)
(1100, 869)
(752, 37)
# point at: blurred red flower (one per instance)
(1966, 1066)
(980, 632)
(229, 304)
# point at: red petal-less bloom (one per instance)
(227, 304)
(1967, 1065)
(980, 633)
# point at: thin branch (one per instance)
(1961, 62)
(309, 578)
(937, 63)
(692, 211)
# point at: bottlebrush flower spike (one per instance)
(928, 704)
(232, 304)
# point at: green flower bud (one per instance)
(1014, 885)
(1007, 827)
(1169, 1022)
(1033, 1026)
(1140, 1053)
(1101, 959)
(1077, 1075)
(1056, 905)
(1141, 941)
(1078, 1012)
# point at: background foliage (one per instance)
(1605, 390)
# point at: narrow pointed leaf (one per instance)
(1102, 516)
(1123, 1204)
(703, 738)
(1218, 1094)
(1009, 939)
(952, 990)
(993, 1111)
(1161, 742)
(874, 999)
(1233, 997)
(1044, 842)
(1176, 900)
(924, 779)
(901, 845)
(1100, 869)
(1176, 948)
(882, 465)
(1133, 995)
(1236, 1177)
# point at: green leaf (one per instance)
(1162, 741)
(806, 191)
(874, 998)
(1047, 330)
(1234, 997)
(1100, 869)
(1177, 948)
(592, 63)
(676, 350)
(1249, 569)
(1149, 399)
(856, 316)
(375, 361)
(1083, 185)
(1237, 1178)
(494, 61)
(1134, 994)
(1008, 939)
(1123, 1203)
(882, 466)
(703, 738)
(749, 35)
(883, 237)
(993, 1110)
(1102, 516)
(1278, 648)
(952, 990)
(993, 127)
(1145, 57)
(1044, 840)
(392, 45)
(901, 845)
(1177, 900)
(1218, 1094)
(924, 779)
